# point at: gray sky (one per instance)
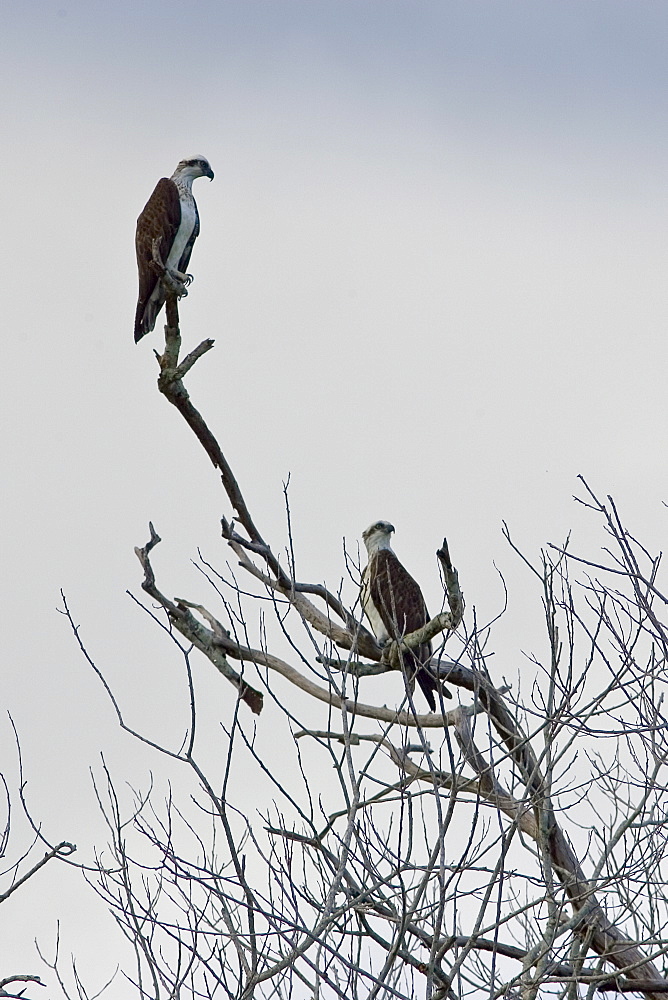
(433, 260)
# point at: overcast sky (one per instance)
(434, 263)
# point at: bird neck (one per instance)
(378, 543)
(184, 183)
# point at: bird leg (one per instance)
(172, 279)
(391, 655)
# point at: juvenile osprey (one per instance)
(394, 605)
(170, 216)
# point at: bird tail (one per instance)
(425, 678)
(146, 315)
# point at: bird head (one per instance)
(194, 166)
(377, 536)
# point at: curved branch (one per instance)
(261, 658)
(193, 631)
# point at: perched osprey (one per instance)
(393, 603)
(170, 216)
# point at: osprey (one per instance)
(170, 217)
(394, 605)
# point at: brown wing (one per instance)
(160, 220)
(396, 595)
(402, 608)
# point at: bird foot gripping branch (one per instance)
(172, 281)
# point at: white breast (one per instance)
(370, 610)
(185, 230)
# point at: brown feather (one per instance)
(160, 219)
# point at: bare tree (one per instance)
(510, 846)
(22, 851)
